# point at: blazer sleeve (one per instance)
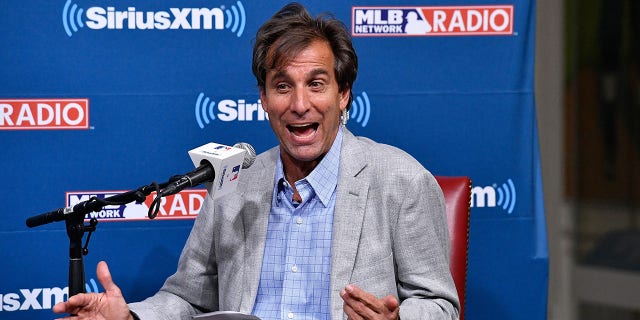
(421, 249)
(194, 287)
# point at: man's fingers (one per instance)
(363, 297)
(82, 300)
(391, 302)
(351, 314)
(104, 276)
(74, 302)
(359, 304)
(60, 307)
(356, 310)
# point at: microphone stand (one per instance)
(75, 231)
(76, 228)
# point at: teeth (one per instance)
(303, 129)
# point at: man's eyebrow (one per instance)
(282, 74)
(319, 71)
(279, 74)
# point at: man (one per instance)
(325, 226)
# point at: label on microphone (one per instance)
(226, 162)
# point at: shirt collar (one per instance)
(324, 177)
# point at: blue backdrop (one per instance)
(99, 97)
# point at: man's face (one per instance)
(304, 103)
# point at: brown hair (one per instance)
(290, 31)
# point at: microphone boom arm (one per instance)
(74, 216)
(74, 221)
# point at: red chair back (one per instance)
(457, 196)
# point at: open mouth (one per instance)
(303, 130)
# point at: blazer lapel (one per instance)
(351, 200)
(256, 218)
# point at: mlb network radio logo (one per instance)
(44, 114)
(38, 298)
(75, 18)
(486, 196)
(432, 21)
(184, 205)
(207, 110)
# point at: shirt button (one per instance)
(294, 269)
(299, 220)
(290, 315)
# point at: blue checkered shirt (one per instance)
(294, 281)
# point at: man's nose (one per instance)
(300, 102)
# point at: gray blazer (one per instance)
(389, 237)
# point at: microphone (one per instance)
(210, 159)
(217, 165)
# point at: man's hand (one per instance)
(108, 305)
(359, 304)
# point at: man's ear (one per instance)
(344, 98)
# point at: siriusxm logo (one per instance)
(207, 110)
(75, 18)
(39, 298)
(226, 110)
(486, 196)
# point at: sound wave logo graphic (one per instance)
(236, 18)
(93, 288)
(507, 196)
(486, 196)
(72, 18)
(205, 110)
(360, 109)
